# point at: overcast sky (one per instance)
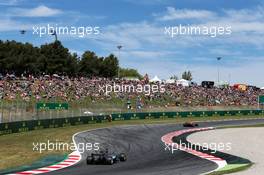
(139, 28)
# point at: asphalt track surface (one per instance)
(145, 151)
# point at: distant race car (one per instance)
(190, 124)
(105, 158)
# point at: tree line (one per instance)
(53, 58)
(187, 75)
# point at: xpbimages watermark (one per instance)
(80, 31)
(146, 89)
(212, 147)
(63, 146)
(192, 30)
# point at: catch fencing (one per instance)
(36, 124)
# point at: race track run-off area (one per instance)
(248, 145)
(145, 146)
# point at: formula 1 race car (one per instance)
(105, 158)
(190, 124)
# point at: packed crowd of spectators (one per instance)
(47, 87)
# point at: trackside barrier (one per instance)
(23, 126)
(164, 115)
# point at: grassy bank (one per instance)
(232, 168)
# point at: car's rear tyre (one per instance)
(89, 160)
(110, 161)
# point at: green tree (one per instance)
(90, 64)
(187, 75)
(53, 58)
(174, 77)
(130, 73)
(57, 59)
(109, 67)
(19, 58)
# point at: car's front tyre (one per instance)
(122, 157)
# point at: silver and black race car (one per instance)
(105, 158)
